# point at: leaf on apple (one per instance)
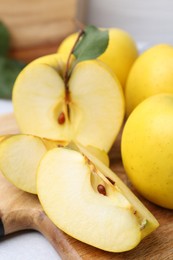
(92, 44)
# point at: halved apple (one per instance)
(88, 108)
(89, 202)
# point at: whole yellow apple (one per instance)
(147, 149)
(152, 73)
(119, 55)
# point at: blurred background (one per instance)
(37, 27)
(147, 21)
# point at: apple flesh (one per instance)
(19, 159)
(90, 112)
(100, 154)
(89, 202)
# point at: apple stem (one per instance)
(67, 73)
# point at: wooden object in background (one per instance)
(20, 210)
(37, 26)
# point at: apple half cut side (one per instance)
(19, 158)
(88, 201)
(91, 111)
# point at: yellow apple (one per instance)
(119, 55)
(147, 149)
(152, 73)
(89, 202)
(89, 110)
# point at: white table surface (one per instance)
(5, 106)
(24, 245)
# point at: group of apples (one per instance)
(70, 107)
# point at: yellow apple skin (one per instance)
(119, 55)
(147, 149)
(151, 73)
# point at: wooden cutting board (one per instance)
(20, 210)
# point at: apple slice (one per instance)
(145, 215)
(19, 158)
(20, 155)
(89, 108)
(89, 202)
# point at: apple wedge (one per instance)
(19, 158)
(90, 109)
(89, 202)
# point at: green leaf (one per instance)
(4, 40)
(92, 44)
(9, 70)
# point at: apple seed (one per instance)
(101, 189)
(61, 118)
